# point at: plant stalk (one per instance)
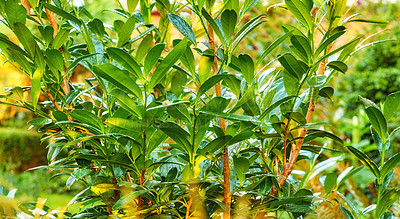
(222, 125)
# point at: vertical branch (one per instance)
(222, 125)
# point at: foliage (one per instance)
(185, 127)
(22, 148)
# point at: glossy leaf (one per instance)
(328, 42)
(144, 47)
(87, 118)
(390, 164)
(179, 135)
(15, 12)
(326, 92)
(247, 67)
(127, 124)
(119, 79)
(167, 63)
(183, 27)
(60, 38)
(228, 20)
(62, 13)
(241, 165)
(302, 45)
(205, 66)
(387, 201)
(36, 86)
(391, 105)
(273, 45)
(213, 24)
(365, 160)
(126, 102)
(126, 60)
(299, 10)
(378, 121)
(209, 84)
(25, 37)
(124, 34)
(126, 199)
(338, 66)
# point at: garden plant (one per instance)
(184, 125)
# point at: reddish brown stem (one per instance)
(222, 125)
(188, 207)
(54, 101)
(285, 144)
(142, 185)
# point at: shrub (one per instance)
(181, 127)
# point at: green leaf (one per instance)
(302, 45)
(80, 173)
(387, 201)
(187, 60)
(390, 164)
(144, 47)
(132, 5)
(273, 45)
(391, 105)
(233, 117)
(87, 117)
(179, 135)
(126, 102)
(246, 29)
(97, 27)
(241, 165)
(21, 60)
(127, 124)
(292, 65)
(126, 199)
(214, 25)
(274, 105)
(118, 78)
(326, 92)
(125, 60)
(365, 160)
(291, 83)
(25, 37)
(367, 20)
(228, 20)
(15, 13)
(182, 27)
(214, 145)
(328, 42)
(299, 10)
(179, 112)
(347, 214)
(62, 13)
(55, 61)
(47, 32)
(247, 67)
(36, 86)
(330, 182)
(210, 83)
(205, 66)
(378, 121)
(60, 38)
(167, 63)
(338, 66)
(152, 57)
(124, 34)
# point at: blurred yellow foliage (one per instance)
(9, 76)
